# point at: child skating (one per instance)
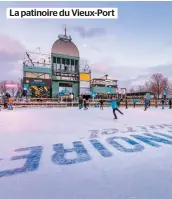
(10, 104)
(114, 106)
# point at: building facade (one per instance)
(65, 66)
(104, 86)
(57, 74)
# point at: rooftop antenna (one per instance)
(65, 29)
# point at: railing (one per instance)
(54, 102)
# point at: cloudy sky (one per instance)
(129, 48)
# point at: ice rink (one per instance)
(66, 153)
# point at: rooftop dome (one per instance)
(65, 47)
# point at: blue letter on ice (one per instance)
(79, 149)
(149, 140)
(102, 150)
(31, 164)
(137, 146)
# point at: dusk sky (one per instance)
(129, 48)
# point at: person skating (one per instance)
(101, 104)
(134, 102)
(146, 104)
(156, 103)
(162, 103)
(10, 104)
(85, 104)
(126, 103)
(114, 106)
(169, 103)
(80, 103)
(5, 101)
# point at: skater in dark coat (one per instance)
(85, 104)
(80, 103)
(162, 103)
(126, 103)
(114, 106)
(101, 104)
(170, 103)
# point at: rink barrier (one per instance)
(67, 104)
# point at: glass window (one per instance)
(67, 61)
(76, 62)
(72, 62)
(73, 68)
(54, 60)
(58, 67)
(63, 61)
(58, 60)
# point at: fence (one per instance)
(54, 102)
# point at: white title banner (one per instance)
(62, 13)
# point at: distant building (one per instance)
(139, 95)
(104, 86)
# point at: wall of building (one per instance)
(36, 69)
(103, 90)
(55, 88)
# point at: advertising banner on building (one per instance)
(38, 88)
(85, 77)
(66, 90)
(85, 84)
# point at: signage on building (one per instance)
(65, 90)
(37, 82)
(85, 91)
(85, 77)
(84, 84)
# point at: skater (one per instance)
(146, 104)
(114, 106)
(101, 104)
(169, 103)
(80, 103)
(162, 103)
(85, 104)
(5, 101)
(156, 103)
(134, 102)
(126, 103)
(10, 104)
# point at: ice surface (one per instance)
(104, 171)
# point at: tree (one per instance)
(158, 83)
(170, 88)
(147, 86)
(2, 87)
(141, 88)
